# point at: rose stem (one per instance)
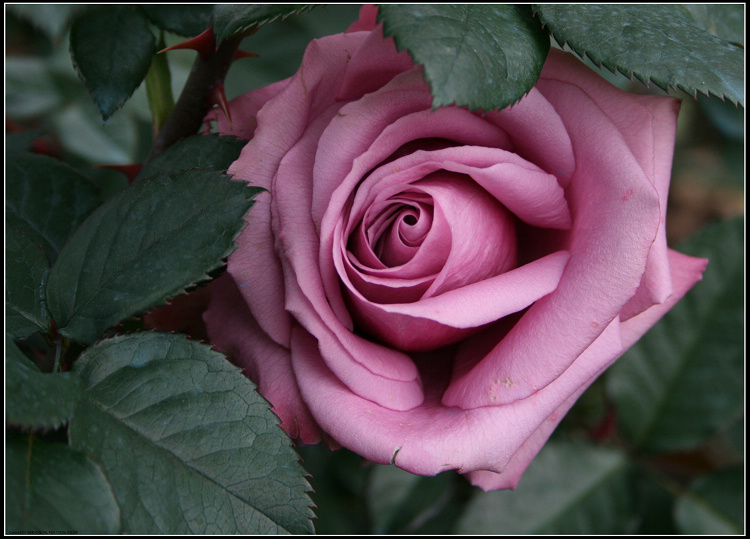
(193, 105)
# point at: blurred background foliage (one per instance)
(594, 476)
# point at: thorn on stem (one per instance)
(240, 54)
(204, 43)
(217, 96)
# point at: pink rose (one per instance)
(435, 289)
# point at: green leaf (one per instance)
(34, 399)
(183, 19)
(143, 246)
(111, 48)
(683, 381)
(725, 21)
(401, 502)
(54, 489)
(715, 505)
(187, 443)
(658, 43)
(568, 489)
(231, 20)
(478, 56)
(196, 152)
(46, 199)
(26, 269)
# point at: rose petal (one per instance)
(384, 375)
(396, 233)
(429, 258)
(656, 285)
(538, 134)
(378, 373)
(531, 194)
(356, 127)
(256, 269)
(460, 208)
(617, 213)
(358, 140)
(385, 289)
(255, 265)
(432, 438)
(686, 272)
(435, 321)
(367, 21)
(355, 130)
(516, 466)
(487, 438)
(466, 208)
(373, 64)
(653, 152)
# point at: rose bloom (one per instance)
(435, 289)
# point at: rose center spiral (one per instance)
(397, 232)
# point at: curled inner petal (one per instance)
(428, 228)
(399, 230)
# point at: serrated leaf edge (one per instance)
(435, 103)
(184, 463)
(631, 74)
(260, 22)
(250, 193)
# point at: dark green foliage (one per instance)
(55, 489)
(187, 443)
(46, 200)
(143, 246)
(183, 19)
(210, 151)
(111, 48)
(37, 400)
(478, 56)
(231, 20)
(26, 269)
(658, 43)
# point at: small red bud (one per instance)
(606, 428)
